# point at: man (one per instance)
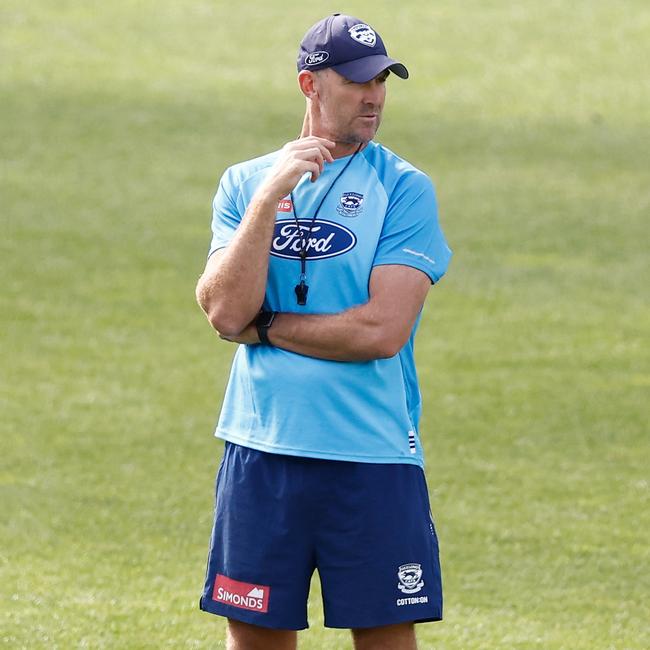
(321, 259)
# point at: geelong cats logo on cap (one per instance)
(350, 204)
(327, 239)
(363, 34)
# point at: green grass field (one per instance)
(116, 122)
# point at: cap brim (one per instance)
(363, 70)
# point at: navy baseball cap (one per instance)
(349, 46)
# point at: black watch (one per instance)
(263, 322)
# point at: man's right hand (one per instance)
(296, 159)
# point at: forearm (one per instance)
(357, 334)
(231, 291)
(377, 329)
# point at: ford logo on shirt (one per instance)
(327, 239)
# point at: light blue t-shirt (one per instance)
(382, 210)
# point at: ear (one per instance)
(307, 83)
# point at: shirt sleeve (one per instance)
(225, 215)
(411, 234)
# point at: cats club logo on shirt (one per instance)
(350, 204)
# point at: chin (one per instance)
(358, 137)
(367, 137)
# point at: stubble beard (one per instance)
(352, 137)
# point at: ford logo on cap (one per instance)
(316, 57)
(327, 239)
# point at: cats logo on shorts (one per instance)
(410, 578)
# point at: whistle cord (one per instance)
(302, 287)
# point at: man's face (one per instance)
(350, 112)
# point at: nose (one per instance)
(374, 92)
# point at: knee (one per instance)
(388, 637)
(245, 636)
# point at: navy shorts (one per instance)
(366, 528)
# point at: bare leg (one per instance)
(244, 636)
(387, 637)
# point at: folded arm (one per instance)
(377, 329)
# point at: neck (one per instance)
(310, 127)
(342, 148)
(346, 149)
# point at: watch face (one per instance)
(265, 319)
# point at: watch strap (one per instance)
(263, 322)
